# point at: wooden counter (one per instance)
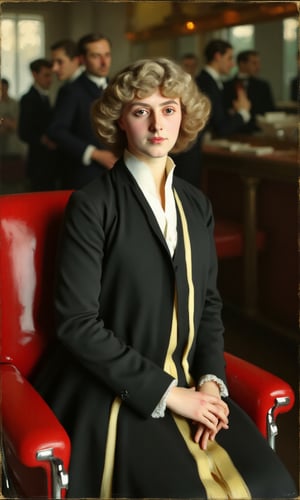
(281, 165)
(260, 192)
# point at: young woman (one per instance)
(139, 380)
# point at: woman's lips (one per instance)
(157, 140)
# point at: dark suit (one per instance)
(221, 123)
(259, 94)
(294, 89)
(72, 129)
(34, 118)
(188, 163)
(62, 171)
(131, 318)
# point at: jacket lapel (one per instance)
(137, 193)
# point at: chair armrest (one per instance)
(257, 390)
(28, 424)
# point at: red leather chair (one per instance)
(35, 447)
(229, 239)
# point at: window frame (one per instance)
(15, 76)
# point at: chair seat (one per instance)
(229, 239)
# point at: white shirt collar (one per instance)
(215, 75)
(142, 174)
(100, 81)
(40, 90)
(167, 219)
(76, 74)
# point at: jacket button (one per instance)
(124, 394)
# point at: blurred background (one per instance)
(139, 29)
(268, 336)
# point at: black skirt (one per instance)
(149, 456)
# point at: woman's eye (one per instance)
(169, 111)
(140, 112)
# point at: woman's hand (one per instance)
(200, 407)
(203, 434)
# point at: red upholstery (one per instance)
(29, 227)
(255, 389)
(230, 241)
(29, 426)
(29, 231)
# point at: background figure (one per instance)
(71, 127)
(35, 116)
(258, 91)
(67, 67)
(188, 163)
(189, 62)
(294, 86)
(219, 62)
(65, 60)
(12, 150)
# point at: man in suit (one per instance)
(219, 62)
(189, 62)
(71, 126)
(294, 84)
(34, 118)
(67, 67)
(259, 91)
(294, 89)
(188, 162)
(65, 60)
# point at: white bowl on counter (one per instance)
(278, 124)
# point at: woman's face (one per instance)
(151, 125)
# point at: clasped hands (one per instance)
(204, 407)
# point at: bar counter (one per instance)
(259, 191)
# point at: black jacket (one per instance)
(34, 118)
(71, 127)
(221, 123)
(259, 93)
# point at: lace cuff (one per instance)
(212, 378)
(160, 409)
(87, 155)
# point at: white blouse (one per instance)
(166, 218)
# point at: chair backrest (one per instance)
(29, 230)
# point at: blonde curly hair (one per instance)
(140, 79)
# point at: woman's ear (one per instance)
(120, 123)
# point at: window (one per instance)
(242, 37)
(290, 49)
(23, 40)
